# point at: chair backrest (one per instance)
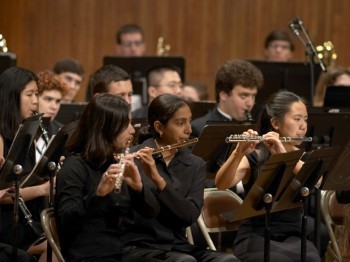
(48, 222)
(218, 212)
(333, 216)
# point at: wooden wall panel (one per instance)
(205, 32)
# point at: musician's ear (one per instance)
(274, 123)
(158, 127)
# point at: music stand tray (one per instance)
(19, 149)
(318, 163)
(53, 152)
(271, 180)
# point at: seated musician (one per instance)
(178, 185)
(284, 115)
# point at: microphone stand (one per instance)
(17, 170)
(310, 51)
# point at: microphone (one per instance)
(293, 27)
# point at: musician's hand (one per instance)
(107, 181)
(246, 147)
(149, 165)
(132, 175)
(273, 143)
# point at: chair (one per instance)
(219, 207)
(48, 222)
(333, 216)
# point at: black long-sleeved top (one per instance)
(180, 201)
(89, 226)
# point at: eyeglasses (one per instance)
(275, 46)
(173, 85)
(131, 43)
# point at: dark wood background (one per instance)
(205, 32)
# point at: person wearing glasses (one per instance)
(161, 80)
(130, 41)
(279, 47)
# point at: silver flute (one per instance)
(120, 176)
(243, 138)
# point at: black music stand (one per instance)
(337, 97)
(41, 172)
(338, 177)
(201, 108)
(261, 197)
(211, 146)
(317, 164)
(70, 112)
(12, 169)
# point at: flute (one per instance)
(120, 176)
(174, 146)
(243, 138)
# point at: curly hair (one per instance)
(48, 80)
(237, 72)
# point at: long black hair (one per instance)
(12, 82)
(102, 120)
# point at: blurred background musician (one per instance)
(335, 76)
(89, 212)
(236, 85)
(18, 101)
(285, 115)
(130, 41)
(51, 89)
(71, 72)
(113, 80)
(181, 176)
(279, 46)
(194, 91)
(163, 79)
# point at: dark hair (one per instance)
(279, 35)
(162, 109)
(237, 72)
(277, 106)
(155, 74)
(12, 82)
(68, 65)
(128, 29)
(105, 117)
(100, 80)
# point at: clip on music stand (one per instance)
(211, 146)
(318, 164)
(13, 166)
(261, 197)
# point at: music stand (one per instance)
(41, 173)
(70, 112)
(201, 108)
(260, 198)
(12, 169)
(211, 146)
(318, 164)
(291, 76)
(337, 97)
(138, 68)
(338, 177)
(6, 61)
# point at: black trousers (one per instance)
(148, 254)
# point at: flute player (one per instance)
(284, 115)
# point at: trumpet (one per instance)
(174, 146)
(243, 138)
(120, 176)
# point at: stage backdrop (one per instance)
(205, 32)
